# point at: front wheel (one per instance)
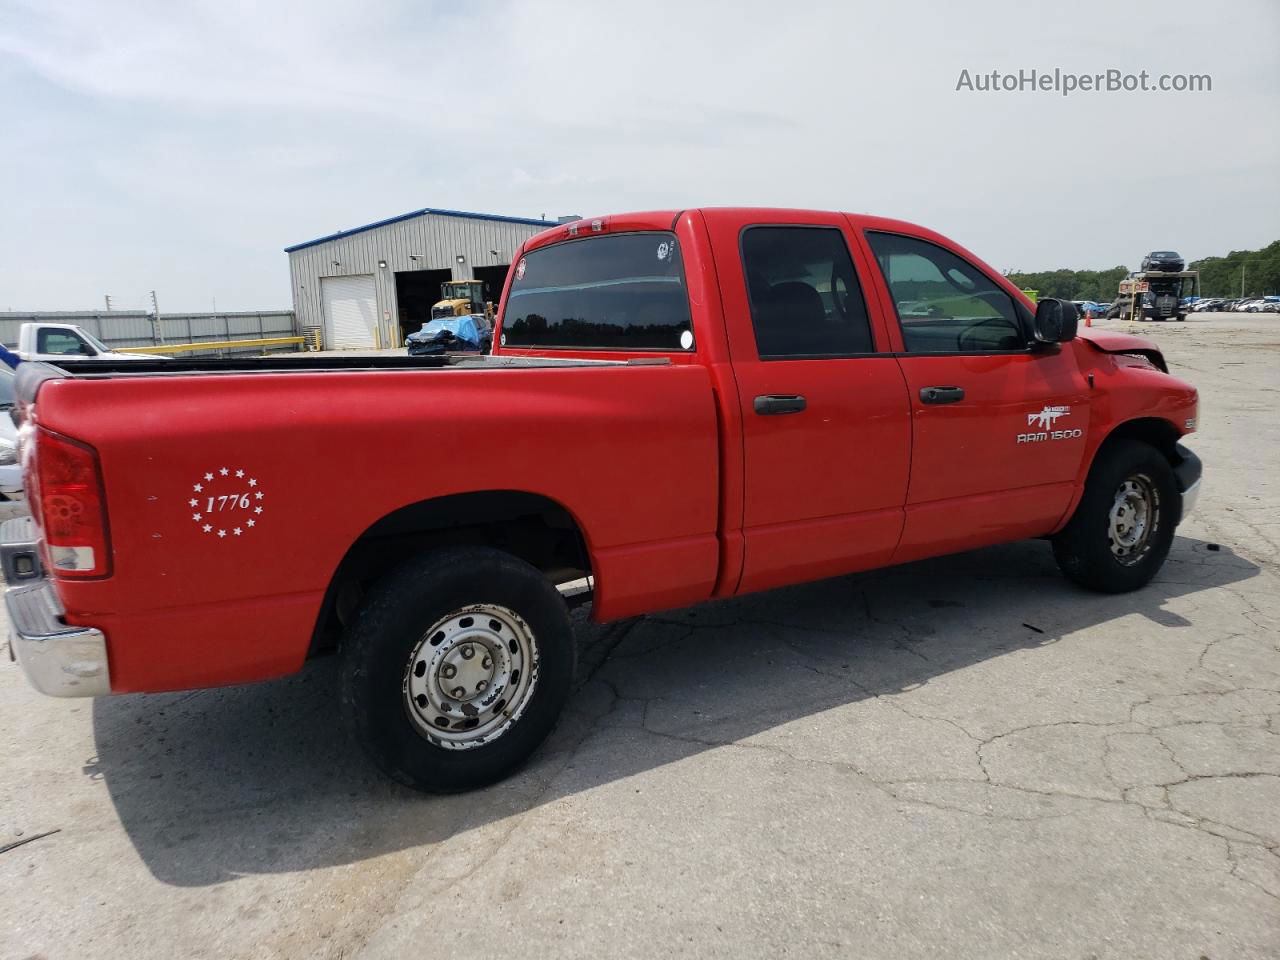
(1122, 530)
(457, 668)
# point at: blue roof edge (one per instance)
(418, 213)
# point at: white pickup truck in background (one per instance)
(58, 341)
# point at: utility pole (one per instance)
(1242, 279)
(155, 309)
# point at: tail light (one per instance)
(72, 506)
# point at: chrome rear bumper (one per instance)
(59, 659)
(20, 550)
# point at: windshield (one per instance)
(624, 292)
(95, 342)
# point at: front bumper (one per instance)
(1187, 472)
(59, 659)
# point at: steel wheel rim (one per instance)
(471, 676)
(1133, 519)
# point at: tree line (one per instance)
(1219, 277)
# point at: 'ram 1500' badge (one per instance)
(226, 503)
(1045, 419)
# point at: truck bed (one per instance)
(291, 364)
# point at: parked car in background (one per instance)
(465, 334)
(10, 469)
(1165, 261)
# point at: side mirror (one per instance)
(1056, 321)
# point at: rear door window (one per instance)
(805, 298)
(619, 292)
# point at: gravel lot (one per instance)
(961, 757)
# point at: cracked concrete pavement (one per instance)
(966, 756)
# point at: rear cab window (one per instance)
(616, 292)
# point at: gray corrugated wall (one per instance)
(436, 239)
(121, 329)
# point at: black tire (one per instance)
(1085, 550)
(379, 651)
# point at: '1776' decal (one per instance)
(226, 503)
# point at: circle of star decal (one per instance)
(226, 503)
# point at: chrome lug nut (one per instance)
(468, 653)
(459, 693)
(487, 662)
(482, 686)
(449, 671)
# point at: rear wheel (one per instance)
(457, 668)
(1122, 530)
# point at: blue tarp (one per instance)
(449, 333)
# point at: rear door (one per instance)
(999, 424)
(825, 417)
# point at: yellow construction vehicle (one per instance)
(458, 298)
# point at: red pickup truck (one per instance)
(679, 405)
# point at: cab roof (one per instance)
(667, 219)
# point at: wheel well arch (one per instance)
(537, 529)
(1156, 431)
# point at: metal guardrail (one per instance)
(217, 345)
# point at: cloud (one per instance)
(181, 146)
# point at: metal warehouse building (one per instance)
(371, 286)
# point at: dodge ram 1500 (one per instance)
(679, 405)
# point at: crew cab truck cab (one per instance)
(680, 405)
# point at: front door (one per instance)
(999, 424)
(825, 417)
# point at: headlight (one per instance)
(1139, 360)
(8, 453)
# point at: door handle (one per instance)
(941, 394)
(779, 403)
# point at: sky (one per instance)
(179, 147)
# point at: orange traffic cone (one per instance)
(1088, 318)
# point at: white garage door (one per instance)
(350, 312)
